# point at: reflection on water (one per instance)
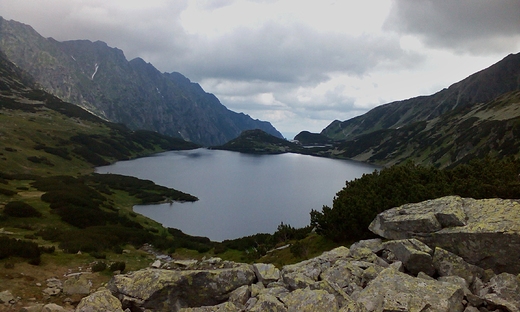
(240, 194)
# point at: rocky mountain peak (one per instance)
(101, 79)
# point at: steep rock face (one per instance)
(484, 232)
(100, 79)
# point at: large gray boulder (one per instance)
(484, 232)
(449, 264)
(302, 300)
(168, 290)
(78, 284)
(415, 255)
(392, 290)
(101, 300)
(266, 273)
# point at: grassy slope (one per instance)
(41, 136)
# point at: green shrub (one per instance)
(40, 160)
(9, 265)
(358, 203)
(47, 249)
(98, 255)
(99, 266)
(21, 210)
(50, 234)
(118, 266)
(10, 247)
(7, 192)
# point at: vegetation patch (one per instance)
(20, 209)
(11, 247)
(358, 203)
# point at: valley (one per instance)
(69, 107)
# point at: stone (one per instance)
(456, 280)
(223, 307)
(51, 291)
(395, 291)
(33, 308)
(267, 303)
(449, 264)
(483, 232)
(156, 264)
(343, 273)
(363, 254)
(493, 301)
(425, 276)
(77, 285)
(504, 287)
(424, 217)
(54, 283)
(302, 300)
(159, 289)
(414, 254)
(335, 254)
(341, 296)
(370, 274)
(52, 307)
(375, 244)
(257, 289)
(190, 263)
(6, 296)
(101, 300)
(275, 291)
(301, 275)
(266, 273)
(240, 296)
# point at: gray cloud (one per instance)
(289, 53)
(464, 26)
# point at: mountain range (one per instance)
(100, 79)
(476, 117)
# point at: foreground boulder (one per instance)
(396, 291)
(101, 300)
(484, 232)
(167, 290)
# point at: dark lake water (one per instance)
(240, 194)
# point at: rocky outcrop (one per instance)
(369, 276)
(484, 232)
(406, 274)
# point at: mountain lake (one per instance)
(239, 194)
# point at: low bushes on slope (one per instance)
(357, 204)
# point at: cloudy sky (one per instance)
(298, 64)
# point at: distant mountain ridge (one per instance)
(481, 87)
(474, 118)
(100, 79)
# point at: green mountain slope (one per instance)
(474, 118)
(490, 129)
(48, 194)
(100, 79)
(40, 133)
(481, 87)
